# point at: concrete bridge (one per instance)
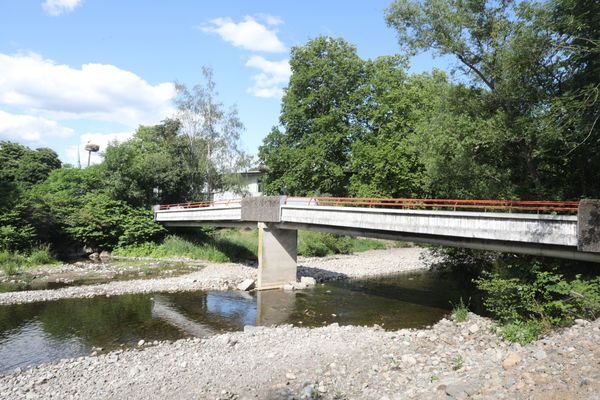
(569, 230)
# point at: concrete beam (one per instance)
(262, 209)
(203, 214)
(565, 252)
(277, 256)
(588, 226)
(531, 228)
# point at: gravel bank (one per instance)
(450, 361)
(229, 275)
(212, 277)
(364, 265)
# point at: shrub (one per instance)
(102, 223)
(460, 311)
(315, 244)
(522, 332)
(549, 297)
(11, 263)
(311, 245)
(41, 256)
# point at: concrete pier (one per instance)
(277, 256)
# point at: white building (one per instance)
(251, 185)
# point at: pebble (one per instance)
(511, 360)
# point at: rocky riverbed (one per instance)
(225, 276)
(449, 361)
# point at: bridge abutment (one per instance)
(277, 256)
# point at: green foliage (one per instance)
(314, 244)
(360, 245)
(11, 263)
(149, 168)
(522, 332)
(174, 246)
(102, 223)
(528, 120)
(548, 297)
(460, 311)
(21, 168)
(457, 363)
(15, 237)
(41, 255)
(308, 154)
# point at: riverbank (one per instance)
(225, 276)
(450, 361)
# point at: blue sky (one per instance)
(79, 70)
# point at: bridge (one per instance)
(569, 230)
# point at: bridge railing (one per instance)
(201, 204)
(536, 206)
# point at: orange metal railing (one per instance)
(538, 206)
(441, 204)
(201, 204)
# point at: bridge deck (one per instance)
(531, 227)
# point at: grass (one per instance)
(239, 245)
(41, 256)
(457, 363)
(11, 263)
(460, 311)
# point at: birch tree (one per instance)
(212, 132)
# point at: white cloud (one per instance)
(248, 34)
(31, 130)
(272, 77)
(270, 19)
(94, 91)
(101, 139)
(58, 7)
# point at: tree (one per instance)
(212, 133)
(576, 112)
(150, 168)
(49, 205)
(521, 58)
(102, 223)
(21, 168)
(308, 153)
(500, 52)
(384, 160)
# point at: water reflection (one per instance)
(40, 332)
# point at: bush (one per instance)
(312, 245)
(549, 297)
(41, 256)
(174, 246)
(315, 244)
(102, 223)
(11, 263)
(13, 238)
(522, 332)
(460, 311)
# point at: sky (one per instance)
(73, 71)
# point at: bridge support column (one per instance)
(277, 256)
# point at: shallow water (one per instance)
(31, 334)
